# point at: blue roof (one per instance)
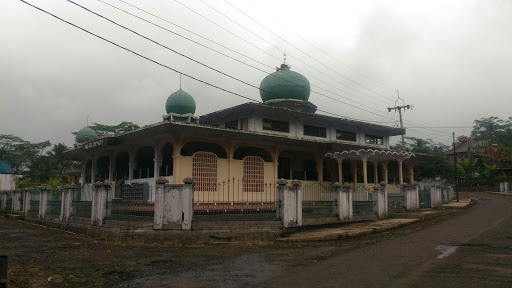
(5, 167)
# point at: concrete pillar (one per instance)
(343, 197)
(411, 172)
(354, 172)
(16, 201)
(375, 172)
(173, 205)
(111, 165)
(365, 173)
(131, 165)
(43, 201)
(412, 197)
(320, 168)
(66, 203)
(99, 203)
(27, 196)
(381, 193)
(290, 210)
(93, 170)
(400, 173)
(340, 171)
(385, 171)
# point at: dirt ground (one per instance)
(46, 257)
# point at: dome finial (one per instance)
(180, 80)
(284, 58)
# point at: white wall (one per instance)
(7, 181)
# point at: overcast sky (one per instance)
(451, 59)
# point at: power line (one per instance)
(235, 59)
(242, 54)
(279, 48)
(307, 54)
(318, 48)
(190, 58)
(161, 64)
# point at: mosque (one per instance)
(259, 143)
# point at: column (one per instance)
(176, 159)
(400, 173)
(111, 165)
(411, 172)
(93, 169)
(157, 161)
(43, 202)
(131, 165)
(275, 157)
(354, 172)
(365, 173)
(375, 172)
(385, 171)
(340, 171)
(320, 168)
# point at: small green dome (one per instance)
(180, 102)
(85, 135)
(285, 84)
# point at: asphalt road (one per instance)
(470, 248)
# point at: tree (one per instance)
(468, 167)
(488, 128)
(20, 153)
(112, 130)
(418, 145)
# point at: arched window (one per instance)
(204, 171)
(254, 174)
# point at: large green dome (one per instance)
(180, 102)
(285, 84)
(85, 135)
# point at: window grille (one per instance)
(373, 139)
(275, 125)
(254, 174)
(315, 131)
(204, 171)
(346, 135)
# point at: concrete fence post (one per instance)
(381, 193)
(27, 196)
(43, 201)
(187, 203)
(158, 214)
(66, 203)
(174, 204)
(291, 203)
(506, 187)
(502, 186)
(99, 203)
(412, 197)
(16, 200)
(346, 198)
(281, 183)
(336, 189)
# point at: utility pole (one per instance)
(399, 108)
(455, 166)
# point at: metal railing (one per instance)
(318, 200)
(136, 203)
(54, 208)
(229, 201)
(81, 209)
(361, 193)
(364, 208)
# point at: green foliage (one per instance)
(496, 130)
(468, 167)
(20, 153)
(418, 145)
(112, 130)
